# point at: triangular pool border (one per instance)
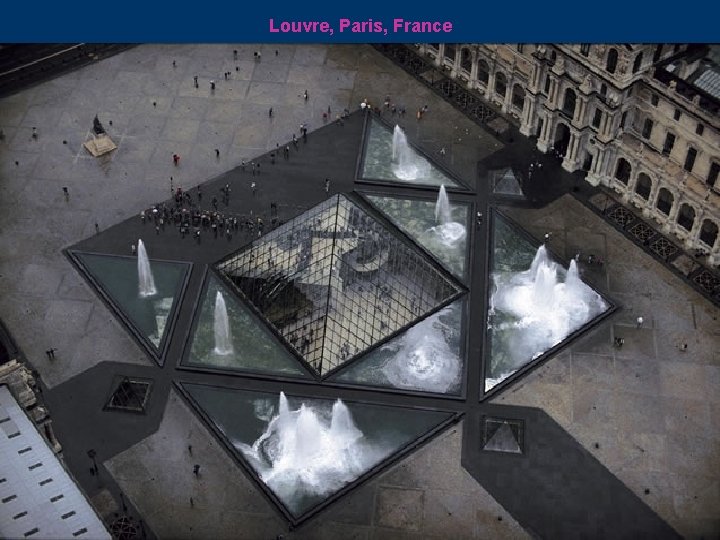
(532, 364)
(404, 451)
(156, 353)
(461, 187)
(211, 272)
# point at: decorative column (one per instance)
(543, 143)
(670, 224)
(456, 63)
(527, 122)
(473, 69)
(440, 56)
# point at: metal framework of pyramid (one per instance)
(335, 281)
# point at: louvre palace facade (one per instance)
(641, 120)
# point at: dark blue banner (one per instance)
(522, 21)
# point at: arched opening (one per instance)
(658, 53)
(483, 71)
(500, 84)
(587, 162)
(612, 59)
(466, 60)
(562, 139)
(643, 187)
(690, 159)
(603, 89)
(518, 97)
(623, 170)
(665, 201)
(569, 102)
(637, 63)
(709, 233)
(450, 52)
(686, 217)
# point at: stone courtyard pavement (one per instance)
(649, 412)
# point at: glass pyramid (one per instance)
(428, 357)
(252, 346)
(305, 450)
(503, 435)
(335, 281)
(448, 243)
(388, 157)
(535, 303)
(117, 277)
(505, 182)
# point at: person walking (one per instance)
(66, 193)
(639, 322)
(195, 80)
(327, 185)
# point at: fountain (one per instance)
(537, 309)
(303, 452)
(223, 339)
(447, 231)
(146, 282)
(424, 360)
(406, 164)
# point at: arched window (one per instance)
(647, 128)
(450, 52)
(709, 233)
(569, 102)
(658, 53)
(500, 84)
(465, 60)
(603, 89)
(483, 71)
(686, 217)
(518, 97)
(713, 173)
(612, 59)
(665, 201)
(643, 187)
(637, 63)
(690, 159)
(623, 170)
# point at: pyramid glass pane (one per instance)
(427, 357)
(505, 182)
(535, 303)
(237, 340)
(389, 157)
(334, 281)
(448, 242)
(305, 450)
(118, 277)
(503, 435)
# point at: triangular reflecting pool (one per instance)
(306, 450)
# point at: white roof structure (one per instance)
(38, 499)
